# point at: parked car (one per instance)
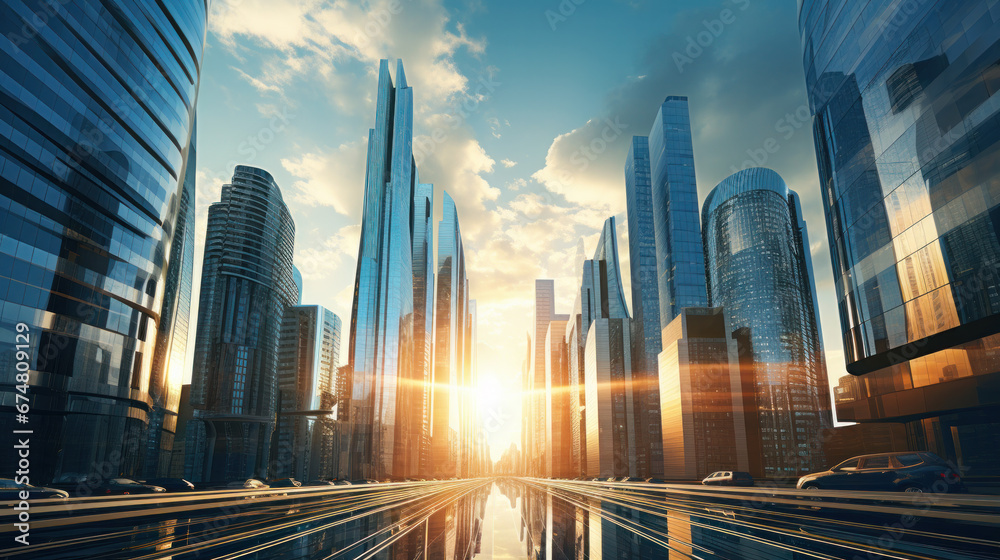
(285, 483)
(248, 484)
(171, 484)
(11, 490)
(728, 478)
(125, 487)
(343, 483)
(917, 471)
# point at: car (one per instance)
(126, 487)
(654, 480)
(913, 471)
(364, 481)
(11, 490)
(285, 483)
(343, 483)
(171, 484)
(728, 478)
(248, 484)
(320, 483)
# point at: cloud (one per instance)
(508, 162)
(333, 177)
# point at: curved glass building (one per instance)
(246, 286)
(907, 131)
(97, 102)
(758, 264)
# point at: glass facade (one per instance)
(907, 131)
(308, 354)
(246, 284)
(449, 343)
(645, 295)
(758, 270)
(96, 116)
(420, 398)
(702, 396)
(612, 428)
(381, 340)
(680, 263)
(558, 453)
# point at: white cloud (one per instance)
(333, 178)
(508, 162)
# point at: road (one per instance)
(552, 519)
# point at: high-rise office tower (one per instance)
(906, 139)
(545, 295)
(470, 379)
(380, 349)
(308, 355)
(610, 405)
(449, 342)
(94, 147)
(680, 263)
(558, 431)
(645, 300)
(246, 284)
(577, 394)
(759, 270)
(702, 397)
(170, 356)
(418, 407)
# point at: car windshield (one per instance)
(848, 464)
(123, 481)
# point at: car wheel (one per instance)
(812, 487)
(913, 490)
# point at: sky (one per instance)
(516, 91)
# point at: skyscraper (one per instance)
(680, 263)
(308, 355)
(645, 298)
(170, 357)
(759, 270)
(246, 284)
(702, 396)
(419, 408)
(381, 341)
(610, 405)
(545, 295)
(94, 205)
(558, 453)
(449, 342)
(906, 141)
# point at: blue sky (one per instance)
(519, 89)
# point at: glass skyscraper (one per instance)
(419, 407)
(449, 343)
(701, 385)
(545, 312)
(680, 263)
(759, 271)
(96, 120)
(907, 131)
(308, 356)
(381, 337)
(608, 385)
(645, 300)
(246, 284)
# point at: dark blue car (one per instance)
(915, 471)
